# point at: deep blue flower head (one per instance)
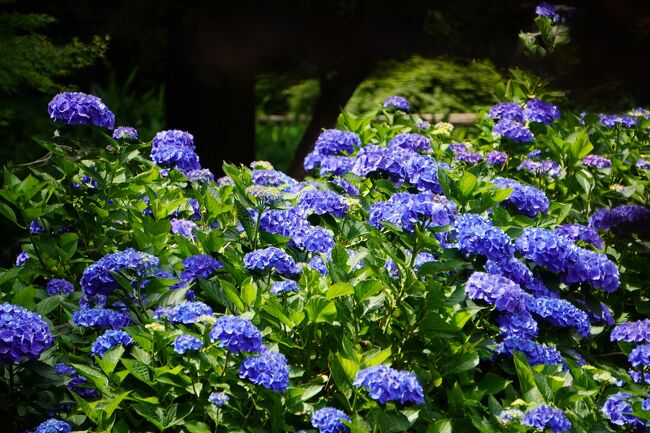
(236, 334)
(200, 175)
(536, 353)
(390, 161)
(421, 171)
(520, 324)
(349, 189)
(57, 286)
(284, 286)
(322, 202)
(181, 157)
(545, 167)
(496, 158)
(471, 158)
(53, 425)
(100, 318)
(398, 103)
(405, 210)
(336, 165)
(125, 133)
(526, 199)
(596, 161)
(218, 398)
(503, 293)
(184, 227)
(271, 258)
(22, 258)
(578, 232)
(35, 227)
(540, 111)
(543, 417)
(549, 11)
(317, 264)
(560, 313)
(269, 369)
(544, 248)
(415, 142)
(97, 279)
(622, 219)
(611, 120)
(77, 383)
(315, 240)
(510, 268)
(477, 235)
(76, 108)
(642, 163)
(187, 312)
(507, 110)
(311, 161)
(173, 137)
(640, 356)
(286, 222)
(199, 266)
(512, 130)
(23, 334)
(329, 420)
(632, 332)
(336, 142)
(185, 342)
(584, 265)
(110, 340)
(385, 384)
(619, 411)
(271, 178)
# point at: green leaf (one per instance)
(320, 310)
(8, 213)
(339, 289)
(198, 427)
(110, 359)
(232, 295)
(467, 184)
(440, 426)
(138, 370)
(527, 380)
(367, 289)
(151, 413)
(245, 219)
(249, 292)
(47, 305)
(115, 403)
(465, 362)
(24, 296)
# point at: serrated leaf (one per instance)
(339, 289)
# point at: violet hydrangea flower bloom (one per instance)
(22, 258)
(199, 266)
(35, 227)
(512, 130)
(596, 161)
(477, 235)
(284, 286)
(100, 318)
(57, 286)
(503, 293)
(526, 199)
(328, 420)
(268, 369)
(185, 342)
(543, 417)
(397, 102)
(541, 111)
(560, 313)
(336, 142)
(183, 227)
(536, 353)
(323, 202)
(97, 278)
(110, 340)
(409, 141)
(619, 411)
(507, 110)
(218, 398)
(405, 210)
(186, 312)
(236, 334)
(76, 108)
(271, 258)
(53, 425)
(385, 384)
(24, 334)
(632, 332)
(125, 133)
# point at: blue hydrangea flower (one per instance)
(322, 202)
(421, 171)
(632, 332)
(218, 398)
(110, 340)
(336, 165)
(268, 369)
(560, 313)
(510, 268)
(349, 189)
(284, 286)
(584, 265)
(507, 110)
(549, 11)
(76, 108)
(642, 163)
(271, 258)
(621, 219)
(543, 417)
(477, 235)
(173, 137)
(174, 148)
(187, 312)
(503, 293)
(544, 248)
(520, 324)
(496, 158)
(236, 334)
(526, 199)
(640, 356)
(545, 167)
(611, 120)
(271, 178)
(97, 280)
(57, 286)
(22, 258)
(199, 175)
(199, 266)
(385, 384)
(415, 142)
(35, 227)
(77, 383)
(125, 133)
(329, 420)
(53, 425)
(619, 411)
(100, 318)
(471, 158)
(540, 111)
(285, 222)
(185, 342)
(336, 142)
(397, 102)
(405, 210)
(385, 160)
(512, 130)
(23, 334)
(184, 227)
(578, 232)
(596, 161)
(536, 353)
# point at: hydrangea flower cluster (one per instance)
(612, 120)
(579, 232)
(596, 161)
(183, 227)
(507, 110)
(536, 353)
(640, 356)
(76, 108)
(336, 165)
(100, 318)
(632, 332)
(349, 189)
(397, 102)
(622, 219)
(526, 199)
(336, 142)
(53, 425)
(236, 334)
(35, 227)
(271, 258)
(57, 286)
(414, 142)
(511, 268)
(421, 171)
(329, 420)
(496, 157)
(125, 133)
(185, 342)
(560, 313)
(22, 258)
(199, 266)
(322, 202)
(77, 383)
(503, 293)
(619, 411)
(543, 417)
(462, 154)
(97, 279)
(521, 325)
(186, 312)
(175, 149)
(642, 163)
(110, 340)
(381, 159)
(547, 167)
(584, 265)
(385, 384)
(270, 177)
(540, 111)
(218, 398)
(284, 287)
(512, 130)
(477, 235)
(406, 210)
(24, 335)
(268, 369)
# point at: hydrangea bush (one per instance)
(412, 283)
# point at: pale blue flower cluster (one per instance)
(385, 384)
(268, 369)
(236, 334)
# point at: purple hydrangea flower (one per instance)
(496, 158)
(336, 142)
(284, 286)
(53, 425)
(236, 334)
(184, 227)
(549, 11)
(76, 108)
(611, 120)
(544, 248)
(175, 149)
(421, 171)
(329, 420)
(185, 342)
(560, 313)
(23, 334)
(526, 199)
(77, 383)
(405, 210)
(200, 175)
(543, 417)
(540, 111)
(271, 178)
(385, 384)
(125, 133)
(35, 227)
(510, 268)
(578, 232)
(97, 278)
(507, 110)
(271, 258)
(322, 202)
(336, 165)
(520, 324)
(584, 265)
(596, 161)
(415, 142)
(22, 258)
(536, 353)
(268, 369)
(640, 356)
(110, 340)
(545, 167)
(57, 286)
(199, 266)
(503, 293)
(100, 318)
(385, 160)
(397, 102)
(219, 398)
(621, 219)
(477, 235)
(187, 312)
(619, 411)
(642, 163)
(512, 130)
(632, 332)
